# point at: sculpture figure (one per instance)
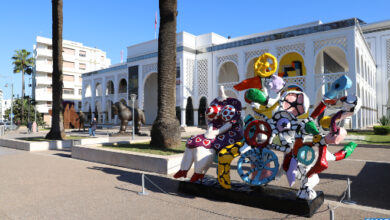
(281, 112)
(125, 114)
(81, 118)
(224, 128)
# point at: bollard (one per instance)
(143, 193)
(331, 214)
(349, 201)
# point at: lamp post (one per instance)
(133, 97)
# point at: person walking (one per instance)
(93, 127)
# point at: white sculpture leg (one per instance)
(306, 191)
(188, 159)
(203, 159)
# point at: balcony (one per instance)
(44, 52)
(325, 78)
(44, 68)
(43, 96)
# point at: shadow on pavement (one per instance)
(170, 186)
(370, 187)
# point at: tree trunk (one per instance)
(22, 109)
(57, 123)
(165, 131)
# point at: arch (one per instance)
(86, 107)
(231, 93)
(291, 64)
(122, 86)
(357, 60)
(202, 111)
(150, 97)
(98, 89)
(228, 72)
(331, 59)
(110, 89)
(250, 71)
(189, 112)
(88, 91)
(98, 110)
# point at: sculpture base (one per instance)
(278, 199)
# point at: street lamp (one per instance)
(133, 97)
(12, 102)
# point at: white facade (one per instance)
(5, 104)
(323, 52)
(77, 59)
(377, 36)
(2, 110)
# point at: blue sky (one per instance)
(112, 25)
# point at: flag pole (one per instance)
(155, 26)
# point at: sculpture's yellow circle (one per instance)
(265, 65)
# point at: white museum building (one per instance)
(77, 59)
(310, 55)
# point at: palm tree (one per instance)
(166, 128)
(23, 63)
(57, 122)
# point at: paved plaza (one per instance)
(52, 185)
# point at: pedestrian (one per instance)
(29, 127)
(92, 129)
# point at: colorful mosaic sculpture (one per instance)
(224, 128)
(280, 122)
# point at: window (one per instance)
(80, 91)
(68, 78)
(82, 66)
(69, 51)
(68, 64)
(49, 75)
(80, 79)
(68, 91)
(49, 47)
(50, 61)
(82, 53)
(79, 105)
(48, 89)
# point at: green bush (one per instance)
(384, 120)
(382, 130)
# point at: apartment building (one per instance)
(77, 59)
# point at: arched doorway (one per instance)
(228, 76)
(228, 72)
(98, 89)
(189, 112)
(88, 92)
(110, 88)
(150, 98)
(202, 111)
(122, 86)
(331, 59)
(98, 110)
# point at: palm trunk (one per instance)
(165, 132)
(57, 122)
(22, 107)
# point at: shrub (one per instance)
(384, 120)
(383, 130)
